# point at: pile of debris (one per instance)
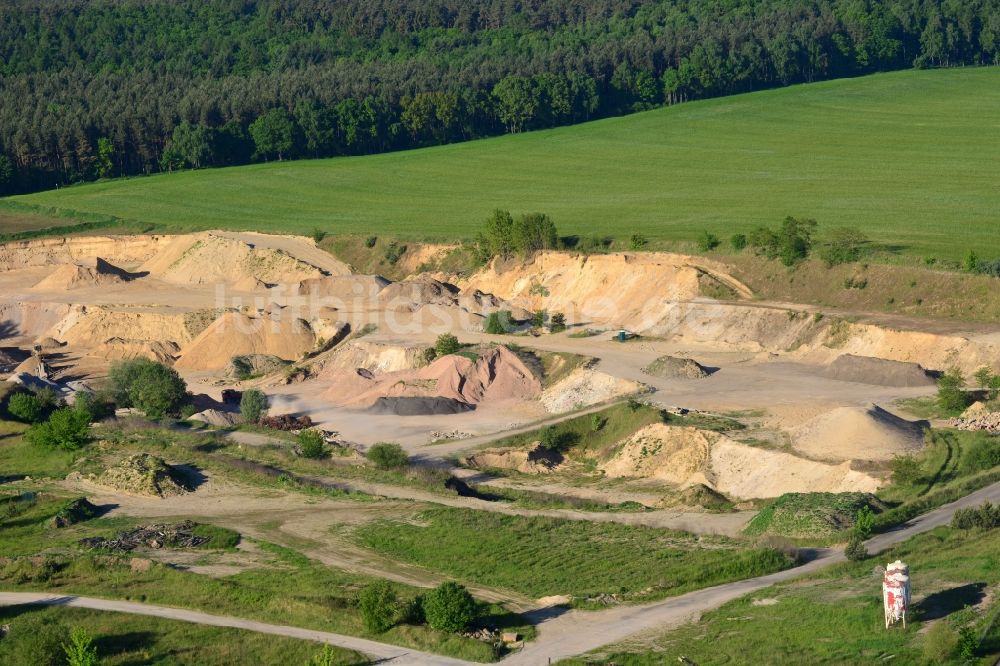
(439, 435)
(144, 474)
(287, 422)
(986, 421)
(75, 511)
(179, 535)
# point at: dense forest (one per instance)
(105, 88)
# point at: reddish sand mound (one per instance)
(236, 334)
(497, 375)
(80, 275)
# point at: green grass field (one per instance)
(542, 556)
(909, 157)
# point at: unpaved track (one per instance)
(561, 635)
(578, 632)
(381, 651)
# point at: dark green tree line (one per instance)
(102, 89)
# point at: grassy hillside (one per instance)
(909, 157)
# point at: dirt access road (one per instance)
(381, 651)
(560, 635)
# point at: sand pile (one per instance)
(411, 295)
(583, 387)
(216, 418)
(536, 460)
(876, 371)
(374, 357)
(236, 334)
(48, 343)
(858, 433)
(210, 257)
(683, 456)
(976, 409)
(87, 273)
(671, 367)
(144, 474)
(344, 290)
(115, 349)
(497, 375)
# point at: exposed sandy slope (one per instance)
(210, 258)
(90, 326)
(684, 455)
(859, 433)
(235, 334)
(127, 251)
(631, 290)
(497, 376)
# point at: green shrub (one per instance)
(446, 344)
(379, 606)
(951, 395)
(26, 407)
(311, 444)
(638, 241)
(844, 246)
(253, 405)
(738, 241)
(66, 429)
(80, 651)
(370, 241)
(95, 405)
(538, 319)
(984, 517)
(449, 607)
(149, 386)
(557, 322)
(707, 241)
(387, 455)
(968, 642)
(325, 657)
(499, 323)
(791, 243)
(597, 422)
(856, 550)
(394, 252)
(428, 355)
(318, 235)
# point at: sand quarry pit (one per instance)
(339, 343)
